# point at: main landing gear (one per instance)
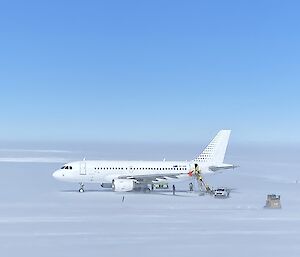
(81, 189)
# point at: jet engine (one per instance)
(123, 185)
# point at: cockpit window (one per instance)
(66, 167)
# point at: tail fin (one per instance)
(215, 151)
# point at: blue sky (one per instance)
(149, 70)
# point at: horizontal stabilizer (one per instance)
(222, 167)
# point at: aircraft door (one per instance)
(82, 168)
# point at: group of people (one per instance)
(191, 188)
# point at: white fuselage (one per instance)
(130, 175)
(106, 171)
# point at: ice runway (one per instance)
(43, 217)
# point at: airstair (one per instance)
(202, 185)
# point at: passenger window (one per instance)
(67, 167)
(70, 167)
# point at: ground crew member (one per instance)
(173, 189)
(191, 187)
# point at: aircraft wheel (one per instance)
(81, 190)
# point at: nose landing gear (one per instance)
(81, 189)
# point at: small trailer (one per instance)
(273, 202)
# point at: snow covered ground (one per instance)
(43, 217)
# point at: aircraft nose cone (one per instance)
(56, 174)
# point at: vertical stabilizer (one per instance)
(215, 151)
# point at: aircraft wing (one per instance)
(154, 177)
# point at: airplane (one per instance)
(124, 176)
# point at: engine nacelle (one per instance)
(123, 185)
